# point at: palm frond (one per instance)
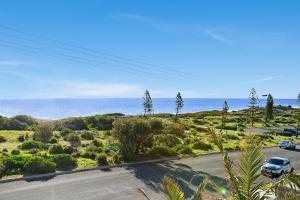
(172, 189)
(251, 161)
(198, 195)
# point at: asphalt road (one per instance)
(127, 182)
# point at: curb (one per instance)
(50, 175)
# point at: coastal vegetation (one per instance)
(80, 142)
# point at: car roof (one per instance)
(286, 141)
(279, 158)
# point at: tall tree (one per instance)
(253, 100)
(179, 104)
(148, 105)
(269, 109)
(298, 112)
(224, 114)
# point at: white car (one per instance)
(287, 144)
(276, 166)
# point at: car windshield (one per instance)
(274, 161)
(285, 141)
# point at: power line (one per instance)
(92, 63)
(116, 58)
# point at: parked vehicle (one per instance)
(287, 144)
(276, 166)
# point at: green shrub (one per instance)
(2, 168)
(202, 146)
(43, 132)
(74, 140)
(56, 149)
(166, 140)
(162, 151)
(102, 159)
(14, 164)
(229, 136)
(185, 150)
(38, 165)
(88, 154)
(65, 131)
(286, 134)
(33, 151)
(99, 149)
(53, 140)
(31, 144)
(2, 139)
(15, 152)
(64, 161)
(117, 159)
(68, 149)
(97, 142)
(175, 129)
(87, 135)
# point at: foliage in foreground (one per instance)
(243, 177)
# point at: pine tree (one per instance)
(148, 105)
(179, 104)
(253, 100)
(224, 114)
(298, 112)
(269, 112)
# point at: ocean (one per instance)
(61, 108)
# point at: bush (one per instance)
(64, 161)
(68, 149)
(132, 133)
(102, 159)
(175, 129)
(65, 131)
(185, 150)
(166, 140)
(56, 149)
(33, 151)
(32, 144)
(15, 152)
(202, 146)
(74, 140)
(38, 165)
(117, 159)
(15, 163)
(87, 135)
(43, 132)
(2, 139)
(97, 143)
(88, 154)
(100, 122)
(53, 140)
(2, 169)
(99, 149)
(230, 136)
(162, 151)
(74, 123)
(156, 125)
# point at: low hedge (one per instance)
(64, 161)
(162, 151)
(38, 165)
(32, 144)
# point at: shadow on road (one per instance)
(42, 179)
(188, 179)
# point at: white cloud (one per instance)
(12, 63)
(216, 36)
(172, 27)
(268, 78)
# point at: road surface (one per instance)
(126, 183)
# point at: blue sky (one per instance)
(205, 49)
